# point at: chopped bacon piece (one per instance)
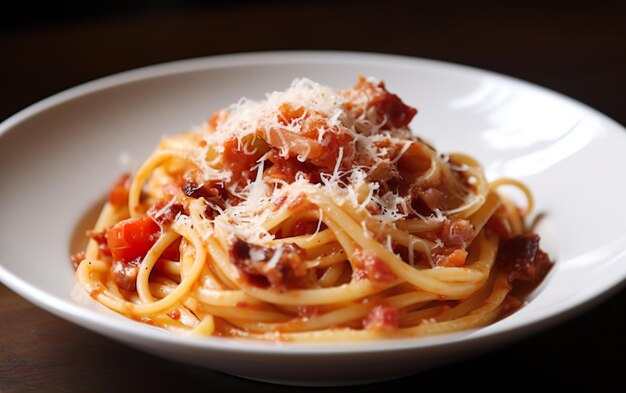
(522, 258)
(388, 106)
(457, 233)
(197, 191)
(288, 169)
(382, 317)
(212, 192)
(434, 199)
(281, 267)
(306, 142)
(125, 274)
(382, 171)
(370, 266)
(118, 195)
(164, 213)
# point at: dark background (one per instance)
(578, 50)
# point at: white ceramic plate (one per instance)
(59, 156)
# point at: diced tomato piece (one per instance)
(118, 196)
(132, 238)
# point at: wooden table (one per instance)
(577, 51)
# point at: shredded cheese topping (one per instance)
(298, 123)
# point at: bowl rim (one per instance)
(100, 322)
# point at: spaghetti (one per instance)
(311, 215)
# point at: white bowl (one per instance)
(59, 156)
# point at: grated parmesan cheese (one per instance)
(373, 147)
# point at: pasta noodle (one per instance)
(312, 215)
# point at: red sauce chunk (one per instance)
(370, 266)
(522, 259)
(382, 317)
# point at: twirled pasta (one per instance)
(311, 215)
